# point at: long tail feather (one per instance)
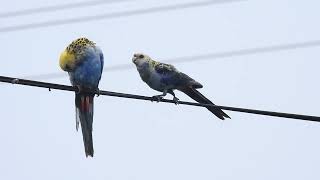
(197, 96)
(84, 114)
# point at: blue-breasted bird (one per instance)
(166, 78)
(83, 61)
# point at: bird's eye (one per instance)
(141, 56)
(67, 67)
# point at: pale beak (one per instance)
(134, 59)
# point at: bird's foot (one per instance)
(15, 81)
(176, 100)
(97, 91)
(157, 98)
(79, 89)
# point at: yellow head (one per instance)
(67, 61)
(73, 53)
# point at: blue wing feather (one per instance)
(87, 74)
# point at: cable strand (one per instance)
(54, 8)
(114, 15)
(146, 98)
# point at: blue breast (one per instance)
(87, 74)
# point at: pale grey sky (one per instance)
(144, 140)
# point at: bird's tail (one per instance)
(197, 96)
(84, 114)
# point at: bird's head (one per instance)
(73, 53)
(140, 59)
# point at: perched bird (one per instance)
(166, 78)
(83, 61)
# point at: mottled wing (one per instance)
(171, 76)
(165, 69)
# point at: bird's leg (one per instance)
(175, 99)
(159, 97)
(97, 91)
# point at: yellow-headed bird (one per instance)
(83, 61)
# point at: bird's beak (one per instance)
(134, 59)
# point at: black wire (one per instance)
(210, 56)
(132, 96)
(54, 8)
(114, 15)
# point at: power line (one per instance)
(54, 8)
(114, 15)
(251, 51)
(139, 97)
(202, 57)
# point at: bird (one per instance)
(83, 61)
(166, 78)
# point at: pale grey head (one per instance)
(141, 60)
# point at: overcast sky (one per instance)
(139, 140)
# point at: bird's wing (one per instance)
(101, 61)
(188, 81)
(165, 69)
(171, 76)
(168, 73)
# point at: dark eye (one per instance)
(141, 56)
(67, 67)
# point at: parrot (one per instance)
(166, 78)
(84, 61)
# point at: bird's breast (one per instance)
(87, 74)
(155, 82)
